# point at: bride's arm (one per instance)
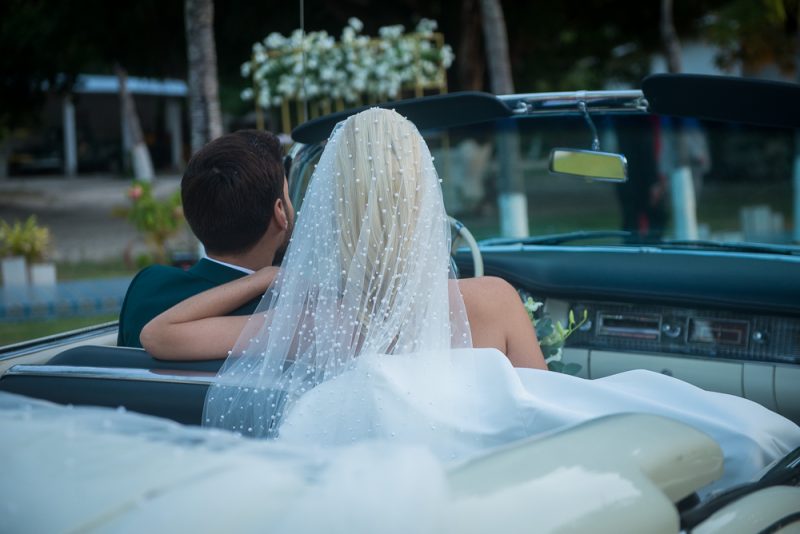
(197, 328)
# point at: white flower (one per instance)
(312, 89)
(554, 358)
(264, 97)
(314, 65)
(356, 24)
(426, 26)
(327, 73)
(447, 56)
(275, 41)
(391, 32)
(532, 306)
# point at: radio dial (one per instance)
(759, 336)
(671, 330)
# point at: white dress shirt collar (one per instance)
(232, 266)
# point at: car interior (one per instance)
(725, 317)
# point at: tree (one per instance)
(755, 34)
(669, 37)
(204, 109)
(470, 70)
(496, 45)
(513, 203)
(140, 156)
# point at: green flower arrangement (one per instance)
(552, 335)
(26, 239)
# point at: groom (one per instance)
(236, 201)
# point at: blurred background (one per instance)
(102, 103)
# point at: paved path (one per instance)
(78, 211)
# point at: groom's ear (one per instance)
(280, 214)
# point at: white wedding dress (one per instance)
(487, 403)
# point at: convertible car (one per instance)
(658, 227)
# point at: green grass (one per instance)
(578, 207)
(88, 270)
(15, 332)
(718, 206)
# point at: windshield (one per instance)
(688, 180)
(740, 177)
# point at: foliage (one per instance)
(552, 335)
(756, 33)
(552, 48)
(26, 239)
(156, 219)
(315, 65)
(599, 44)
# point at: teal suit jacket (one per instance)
(157, 288)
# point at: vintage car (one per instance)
(652, 224)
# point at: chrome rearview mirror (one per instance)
(591, 164)
(601, 166)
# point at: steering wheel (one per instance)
(461, 231)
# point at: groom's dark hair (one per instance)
(230, 187)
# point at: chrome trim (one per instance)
(636, 249)
(535, 103)
(114, 373)
(575, 96)
(56, 340)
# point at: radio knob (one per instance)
(671, 330)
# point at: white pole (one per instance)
(142, 164)
(70, 138)
(512, 202)
(684, 211)
(513, 214)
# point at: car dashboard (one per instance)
(723, 322)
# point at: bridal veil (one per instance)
(367, 272)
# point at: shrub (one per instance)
(156, 219)
(26, 239)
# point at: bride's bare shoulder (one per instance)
(486, 292)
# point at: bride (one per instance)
(365, 334)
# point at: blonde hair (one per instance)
(378, 173)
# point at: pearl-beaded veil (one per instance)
(367, 271)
